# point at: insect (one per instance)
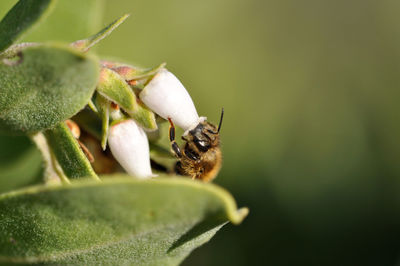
(201, 156)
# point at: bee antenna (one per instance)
(220, 120)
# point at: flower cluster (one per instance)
(164, 95)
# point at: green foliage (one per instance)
(51, 84)
(86, 44)
(118, 221)
(114, 87)
(90, 122)
(68, 153)
(130, 72)
(20, 163)
(104, 113)
(21, 18)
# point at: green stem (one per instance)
(64, 179)
(68, 153)
(52, 172)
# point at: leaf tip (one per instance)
(125, 16)
(238, 216)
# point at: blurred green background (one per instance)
(312, 121)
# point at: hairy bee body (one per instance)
(201, 156)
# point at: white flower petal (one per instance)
(167, 97)
(130, 147)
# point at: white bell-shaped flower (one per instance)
(166, 96)
(130, 147)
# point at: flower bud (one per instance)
(130, 147)
(166, 96)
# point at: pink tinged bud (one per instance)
(166, 96)
(130, 147)
(125, 72)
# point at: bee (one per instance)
(201, 156)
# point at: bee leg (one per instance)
(174, 145)
(86, 151)
(159, 167)
(178, 168)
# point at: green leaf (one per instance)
(115, 88)
(120, 221)
(129, 72)
(48, 85)
(68, 152)
(86, 44)
(20, 18)
(20, 163)
(104, 113)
